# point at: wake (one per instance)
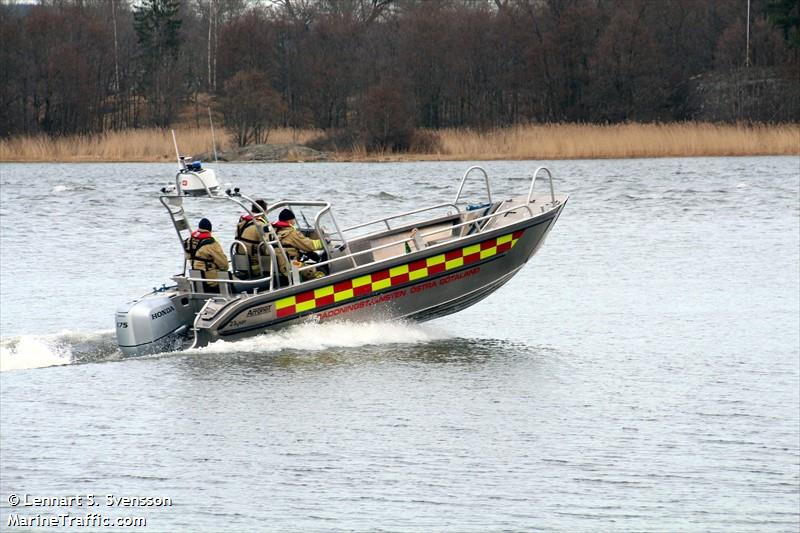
(312, 336)
(67, 347)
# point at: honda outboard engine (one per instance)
(155, 323)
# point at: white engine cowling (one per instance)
(195, 182)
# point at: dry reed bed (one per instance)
(130, 145)
(573, 141)
(126, 145)
(549, 141)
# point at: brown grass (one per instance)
(573, 141)
(127, 145)
(292, 136)
(549, 141)
(130, 145)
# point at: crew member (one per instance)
(205, 253)
(247, 232)
(294, 243)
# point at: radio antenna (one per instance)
(177, 153)
(213, 138)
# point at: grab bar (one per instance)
(400, 215)
(533, 182)
(464, 179)
(318, 228)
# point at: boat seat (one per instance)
(266, 265)
(221, 288)
(241, 265)
(241, 270)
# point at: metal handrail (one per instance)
(218, 280)
(270, 230)
(533, 182)
(464, 179)
(363, 252)
(240, 281)
(453, 204)
(237, 242)
(272, 259)
(404, 214)
(290, 203)
(172, 214)
(227, 197)
(320, 213)
(327, 208)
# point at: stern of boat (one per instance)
(156, 322)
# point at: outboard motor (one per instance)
(152, 324)
(194, 179)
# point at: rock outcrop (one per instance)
(268, 152)
(756, 94)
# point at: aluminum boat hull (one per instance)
(420, 286)
(389, 268)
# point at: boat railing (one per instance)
(533, 182)
(469, 171)
(339, 233)
(326, 210)
(453, 204)
(411, 240)
(225, 282)
(352, 255)
(273, 236)
(385, 220)
(325, 243)
(174, 205)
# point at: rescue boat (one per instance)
(416, 265)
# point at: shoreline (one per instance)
(417, 158)
(516, 143)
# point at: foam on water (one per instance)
(313, 336)
(31, 351)
(70, 188)
(67, 347)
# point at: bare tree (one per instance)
(250, 107)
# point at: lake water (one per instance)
(641, 373)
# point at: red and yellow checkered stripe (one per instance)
(392, 277)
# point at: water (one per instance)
(642, 373)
